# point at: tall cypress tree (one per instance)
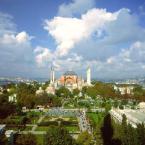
(124, 132)
(140, 134)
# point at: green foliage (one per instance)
(6, 108)
(100, 89)
(26, 95)
(63, 92)
(85, 139)
(140, 134)
(26, 139)
(57, 135)
(105, 90)
(91, 91)
(3, 139)
(42, 99)
(107, 132)
(76, 92)
(45, 85)
(139, 93)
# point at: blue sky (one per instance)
(72, 35)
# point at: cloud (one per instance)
(16, 52)
(111, 43)
(141, 9)
(76, 7)
(43, 56)
(69, 31)
(19, 38)
(7, 26)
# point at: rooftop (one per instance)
(70, 73)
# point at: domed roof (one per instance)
(70, 73)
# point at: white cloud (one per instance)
(76, 7)
(16, 52)
(43, 56)
(69, 31)
(22, 37)
(111, 43)
(6, 24)
(16, 39)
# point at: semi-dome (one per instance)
(70, 73)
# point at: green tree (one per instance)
(107, 132)
(92, 92)
(42, 99)
(140, 134)
(3, 139)
(26, 139)
(6, 108)
(45, 85)
(57, 135)
(124, 132)
(76, 92)
(85, 138)
(63, 92)
(26, 95)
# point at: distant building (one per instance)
(50, 89)
(134, 117)
(141, 105)
(1, 90)
(69, 80)
(40, 91)
(124, 88)
(13, 98)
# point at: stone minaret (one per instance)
(52, 76)
(88, 76)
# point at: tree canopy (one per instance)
(57, 135)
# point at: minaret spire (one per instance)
(52, 75)
(88, 76)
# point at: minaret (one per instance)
(88, 76)
(52, 76)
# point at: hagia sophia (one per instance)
(69, 80)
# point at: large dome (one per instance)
(70, 73)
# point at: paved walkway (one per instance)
(83, 122)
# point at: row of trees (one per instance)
(122, 134)
(6, 108)
(26, 95)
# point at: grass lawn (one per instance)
(72, 128)
(95, 118)
(42, 128)
(40, 139)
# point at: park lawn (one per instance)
(42, 128)
(72, 128)
(95, 118)
(40, 139)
